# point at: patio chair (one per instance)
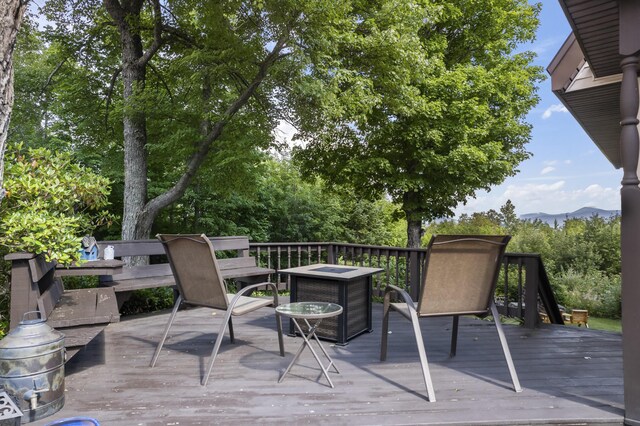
(199, 283)
(460, 275)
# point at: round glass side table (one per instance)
(314, 312)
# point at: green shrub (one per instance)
(148, 300)
(595, 291)
(51, 202)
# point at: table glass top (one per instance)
(310, 309)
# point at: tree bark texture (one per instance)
(414, 219)
(414, 232)
(11, 13)
(126, 15)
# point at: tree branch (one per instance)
(50, 77)
(112, 85)
(152, 208)
(157, 34)
(163, 81)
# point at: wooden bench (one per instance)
(80, 314)
(36, 285)
(241, 267)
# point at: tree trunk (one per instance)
(135, 156)
(11, 13)
(414, 219)
(126, 16)
(414, 232)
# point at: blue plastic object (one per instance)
(75, 421)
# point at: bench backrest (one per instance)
(154, 247)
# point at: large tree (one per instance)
(202, 83)
(431, 133)
(11, 13)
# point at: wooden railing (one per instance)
(523, 280)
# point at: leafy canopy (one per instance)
(428, 108)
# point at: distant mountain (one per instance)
(585, 212)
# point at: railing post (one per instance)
(414, 275)
(532, 279)
(331, 256)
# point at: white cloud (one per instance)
(552, 198)
(547, 169)
(553, 109)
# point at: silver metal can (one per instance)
(32, 360)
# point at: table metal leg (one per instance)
(311, 334)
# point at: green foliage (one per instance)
(148, 300)
(280, 206)
(431, 108)
(51, 203)
(595, 291)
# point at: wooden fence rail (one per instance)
(523, 280)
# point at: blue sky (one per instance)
(566, 170)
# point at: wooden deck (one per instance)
(570, 375)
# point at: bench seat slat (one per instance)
(85, 306)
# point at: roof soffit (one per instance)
(596, 26)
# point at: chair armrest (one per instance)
(246, 289)
(403, 293)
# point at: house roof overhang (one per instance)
(586, 73)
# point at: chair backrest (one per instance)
(460, 274)
(195, 269)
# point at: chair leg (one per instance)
(166, 331)
(385, 326)
(423, 356)
(279, 326)
(231, 335)
(505, 348)
(216, 347)
(454, 336)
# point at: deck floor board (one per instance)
(570, 375)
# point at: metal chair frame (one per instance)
(484, 287)
(219, 300)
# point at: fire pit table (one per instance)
(347, 286)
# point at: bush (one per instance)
(51, 202)
(148, 300)
(595, 291)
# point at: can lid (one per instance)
(30, 332)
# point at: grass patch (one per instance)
(605, 324)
